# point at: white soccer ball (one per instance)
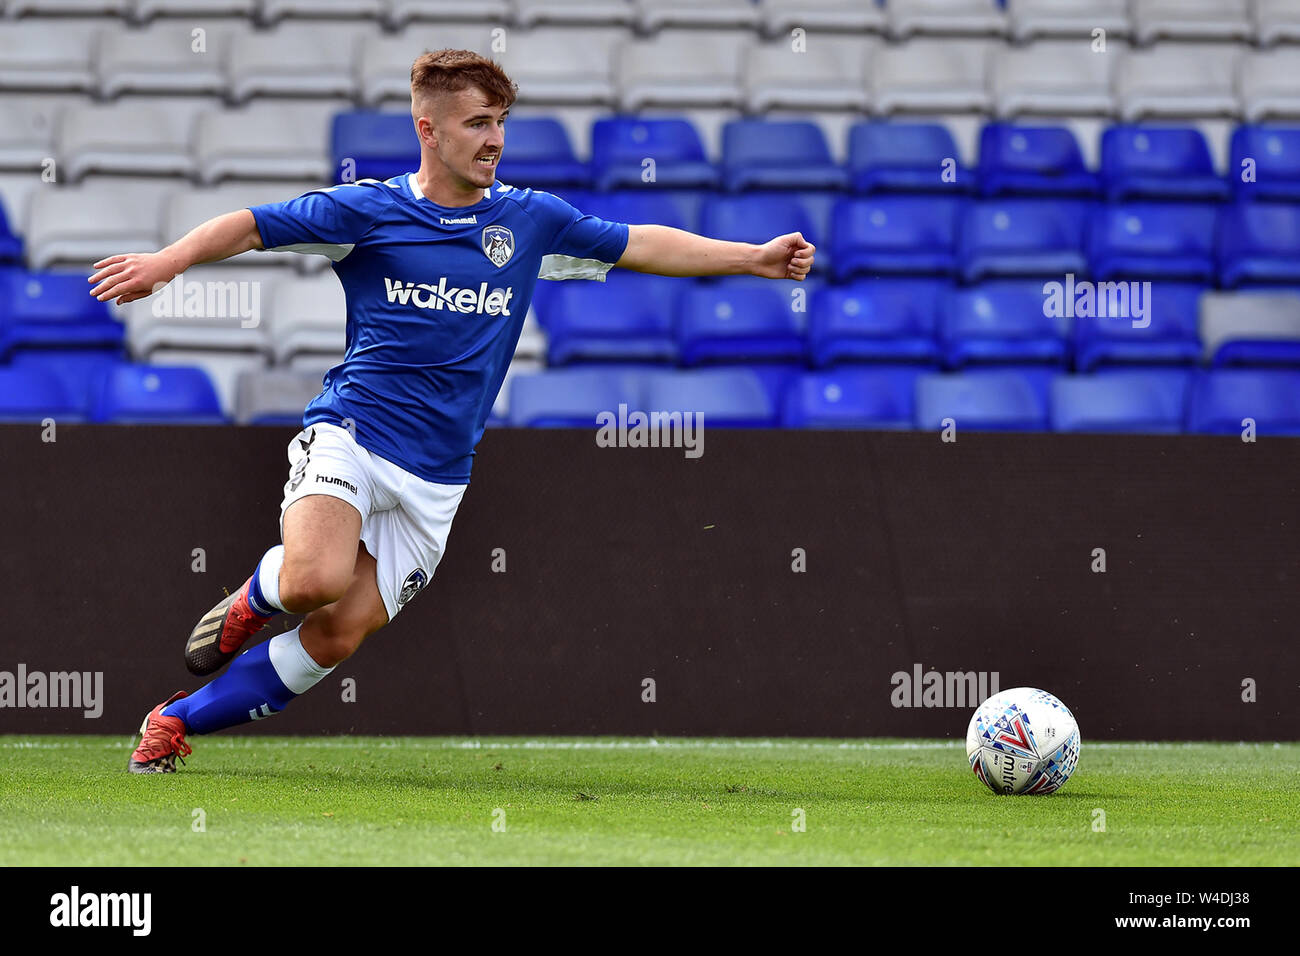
(1023, 740)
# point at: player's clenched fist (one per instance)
(785, 257)
(130, 277)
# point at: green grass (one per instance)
(285, 801)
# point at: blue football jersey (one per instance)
(436, 297)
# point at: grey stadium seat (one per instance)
(122, 139)
(158, 59)
(187, 207)
(1191, 20)
(35, 57)
(77, 225)
(26, 133)
(781, 16)
(264, 141)
(1269, 84)
(308, 318)
(302, 61)
(275, 393)
(142, 11)
(272, 12)
(68, 8)
(1177, 80)
(402, 12)
(831, 74)
(562, 65)
(930, 76)
(384, 63)
(946, 17)
(696, 14)
(680, 68)
(531, 13)
(1234, 316)
(1052, 77)
(1277, 21)
(1030, 19)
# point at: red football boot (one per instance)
(217, 638)
(162, 740)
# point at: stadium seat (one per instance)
(1177, 80)
(641, 206)
(379, 145)
(622, 145)
(1153, 241)
(186, 208)
(1010, 237)
(739, 319)
(531, 13)
(274, 397)
(696, 14)
(1001, 322)
(76, 225)
(947, 17)
(757, 218)
(906, 157)
(384, 62)
(1051, 78)
(680, 68)
(815, 16)
(569, 398)
(1191, 20)
(879, 397)
(1251, 328)
(11, 247)
(1032, 160)
(143, 11)
(34, 394)
(538, 154)
(1277, 21)
(943, 76)
(403, 12)
(126, 140)
(759, 154)
(894, 235)
(271, 12)
(26, 131)
(983, 400)
(42, 310)
(726, 398)
(1144, 401)
(1162, 331)
(158, 59)
(306, 61)
(581, 76)
(830, 73)
(628, 317)
(1269, 84)
(148, 394)
(35, 58)
(308, 317)
(69, 8)
(265, 141)
(1159, 162)
(79, 370)
(1222, 398)
(875, 320)
(1031, 19)
(1272, 155)
(1259, 243)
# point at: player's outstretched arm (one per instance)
(135, 275)
(666, 251)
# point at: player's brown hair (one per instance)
(450, 71)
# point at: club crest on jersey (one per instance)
(498, 244)
(414, 583)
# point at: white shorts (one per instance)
(405, 520)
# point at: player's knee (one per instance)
(307, 588)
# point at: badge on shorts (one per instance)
(498, 244)
(414, 583)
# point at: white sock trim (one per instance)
(268, 576)
(295, 667)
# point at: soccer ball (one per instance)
(1023, 740)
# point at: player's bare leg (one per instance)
(331, 634)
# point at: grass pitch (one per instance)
(68, 801)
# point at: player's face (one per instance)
(471, 135)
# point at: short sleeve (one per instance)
(583, 247)
(327, 221)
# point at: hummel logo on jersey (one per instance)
(466, 221)
(451, 298)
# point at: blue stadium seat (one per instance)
(983, 400)
(1273, 155)
(1153, 241)
(878, 397)
(1001, 322)
(11, 247)
(628, 317)
(757, 218)
(34, 394)
(1165, 331)
(905, 157)
(1259, 243)
(642, 206)
(1139, 400)
(373, 145)
(538, 154)
(740, 319)
(1010, 237)
(767, 154)
(1222, 398)
(894, 234)
(727, 398)
(54, 310)
(620, 146)
(79, 370)
(570, 398)
(1159, 162)
(875, 320)
(1032, 160)
(156, 394)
